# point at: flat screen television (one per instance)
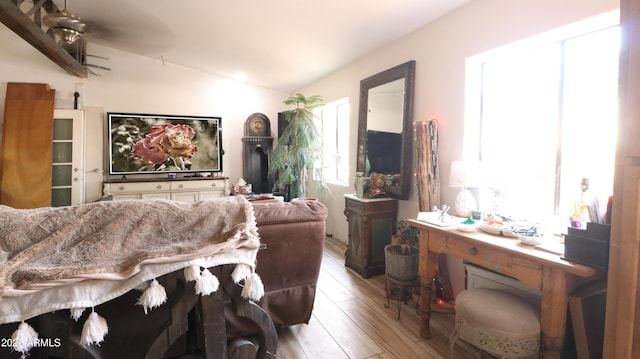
(156, 144)
(384, 150)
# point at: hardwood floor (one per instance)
(350, 321)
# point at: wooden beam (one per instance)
(21, 24)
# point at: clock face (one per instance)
(257, 125)
(377, 180)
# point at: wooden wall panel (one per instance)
(630, 77)
(25, 155)
(622, 328)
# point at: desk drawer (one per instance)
(527, 271)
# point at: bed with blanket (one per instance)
(88, 277)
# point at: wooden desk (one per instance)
(535, 268)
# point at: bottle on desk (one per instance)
(580, 213)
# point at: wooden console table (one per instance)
(544, 271)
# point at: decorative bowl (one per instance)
(466, 227)
(531, 240)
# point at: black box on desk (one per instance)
(588, 246)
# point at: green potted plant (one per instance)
(297, 155)
(401, 256)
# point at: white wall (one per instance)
(141, 85)
(440, 50)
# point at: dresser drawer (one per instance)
(139, 187)
(526, 270)
(208, 185)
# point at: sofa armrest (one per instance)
(294, 233)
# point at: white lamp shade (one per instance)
(465, 174)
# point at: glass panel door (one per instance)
(67, 185)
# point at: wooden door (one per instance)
(26, 151)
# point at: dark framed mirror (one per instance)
(385, 127)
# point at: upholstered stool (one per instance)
(500, 323)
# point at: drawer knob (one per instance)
(159, 186)
(180, 185)
(473, 251)
(213, 184)
(121, 188)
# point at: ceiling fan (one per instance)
(68, 31)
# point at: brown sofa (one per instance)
(294, 234)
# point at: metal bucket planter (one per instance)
(401, 262)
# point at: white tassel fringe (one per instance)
(76, 313)
(192, 273)
(24, 338)
(207, 283)
(253, 288)
(94, 330)
(153, 297)
(240, 272)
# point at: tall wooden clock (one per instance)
(257, 148)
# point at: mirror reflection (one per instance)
(384, 128)
(385, 107)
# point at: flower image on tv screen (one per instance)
(145, 144)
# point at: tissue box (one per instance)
(242, 189)
(588, 246)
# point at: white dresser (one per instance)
(178, 190)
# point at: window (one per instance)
(334, 126)
(547, 117)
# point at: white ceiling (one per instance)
(278, 44)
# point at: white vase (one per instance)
(465, 203)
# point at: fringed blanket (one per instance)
(82, 256)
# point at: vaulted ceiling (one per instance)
(279, 44)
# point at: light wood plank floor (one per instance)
(350, 321)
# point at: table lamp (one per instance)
(464, 174)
